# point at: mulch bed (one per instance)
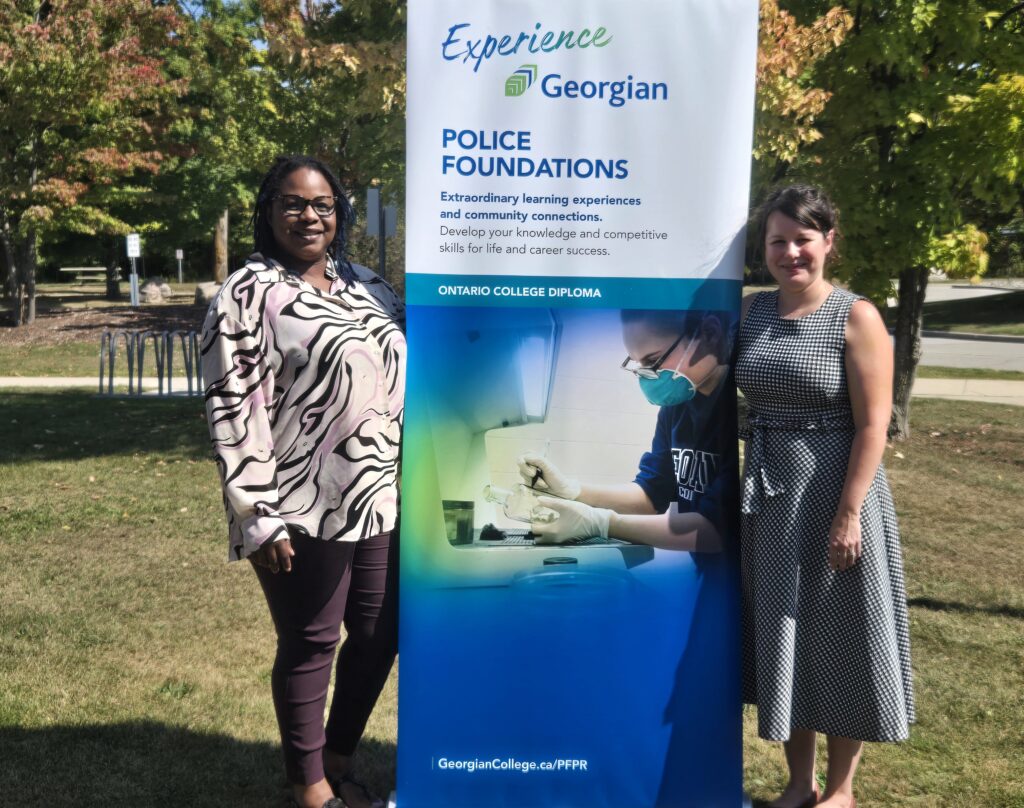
(61, 326)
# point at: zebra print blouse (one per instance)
(304, 400)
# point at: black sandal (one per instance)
(346, 779)
(333, 802)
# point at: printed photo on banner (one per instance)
(594, 434)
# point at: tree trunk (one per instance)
(113, 260)
(907, 347)
(27, 279)
(220, 249)
(11, 280)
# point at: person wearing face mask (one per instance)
(680, 498)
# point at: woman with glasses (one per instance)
(684, 490)
(304, 361)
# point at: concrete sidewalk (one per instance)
(149, 384)
(996, 391)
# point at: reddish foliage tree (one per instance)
(83, 99)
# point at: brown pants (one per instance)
(355, 583)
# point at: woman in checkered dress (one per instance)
(825, 616)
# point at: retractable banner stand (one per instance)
(577, 191)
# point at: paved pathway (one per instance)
(972, 353)
(994, 390)
(148, 384)
(997, 391)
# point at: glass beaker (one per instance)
(458, 521)
(520, 503)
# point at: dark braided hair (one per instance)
(263, 235)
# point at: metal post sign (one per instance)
(134, 248)
(577, 183)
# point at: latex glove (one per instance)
(550, 479)
(575, 521)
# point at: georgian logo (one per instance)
(520, 81)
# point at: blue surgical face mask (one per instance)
(672, 386)
(669, 389)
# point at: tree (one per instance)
(343, 85)
(925, 117)
(224, 134)
(788, 103)
(82, 98)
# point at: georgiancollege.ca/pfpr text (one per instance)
(508, 764)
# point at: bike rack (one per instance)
(163, 344)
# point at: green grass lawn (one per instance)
(79, 358)
(937, 372)
(135, 663)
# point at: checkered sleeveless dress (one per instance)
(823, 650)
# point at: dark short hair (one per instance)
(263, 235)
(673, 322)
(806, 204)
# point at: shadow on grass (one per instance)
(963, 608)
(72, 425)
(1001, 311)
(146, 763)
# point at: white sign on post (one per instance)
(179, 254)
(134, 245)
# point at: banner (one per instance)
(576, 199)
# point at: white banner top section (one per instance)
(575, 143)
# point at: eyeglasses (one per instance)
(651, 372)
(292, 205)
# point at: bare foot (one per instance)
(796, 795)
(839, 801)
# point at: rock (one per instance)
(205, 292)
(155, 290)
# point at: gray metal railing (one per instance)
(163, 343)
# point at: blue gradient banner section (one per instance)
(549, 675)
(563, 292)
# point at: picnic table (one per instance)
(84, 273)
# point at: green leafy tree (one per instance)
(223, 134)
(924, 119)
(788, 101)
(342, 93)
(82, 100)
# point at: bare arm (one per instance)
(627, 498)
(670, 531)
(545, 477)
(869, 376)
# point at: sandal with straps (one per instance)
(333, 802)
(345, 779)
